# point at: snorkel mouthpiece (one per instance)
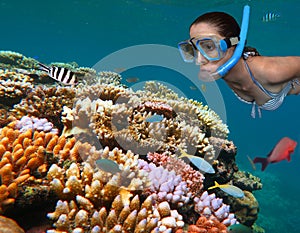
(225, 68)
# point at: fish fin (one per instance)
(288, 158)
(264, 162)
(44, 67)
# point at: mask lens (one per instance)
(186, 51)
(209, 48)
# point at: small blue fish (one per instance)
(155, 118)
(270, 16)
(239, 228)
(108, 165)
(229, 189)
(199, 162)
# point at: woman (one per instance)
(258, 80)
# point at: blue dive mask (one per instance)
(210, 47)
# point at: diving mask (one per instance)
(211, 48)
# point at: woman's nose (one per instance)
(200, 59)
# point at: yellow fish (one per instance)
(203, 87)
(229, 189)
(199, 162)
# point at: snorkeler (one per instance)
(217, 44)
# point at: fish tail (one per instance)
(215, 186)
(264, 162)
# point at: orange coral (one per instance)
(204, 225)
(22, 154)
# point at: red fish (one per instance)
(283, 150)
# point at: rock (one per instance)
(8, 225)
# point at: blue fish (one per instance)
(199, 162)
(108, 165)
(270, 16)
(229, 189)
(154, 118)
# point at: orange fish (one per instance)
(283, 150)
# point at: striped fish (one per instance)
(60, 74)
(270, 16)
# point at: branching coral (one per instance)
(46, 103)
(137, 216)
(25, 154)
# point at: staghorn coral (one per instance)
(209, 206)
(194, 179)
(137, 216)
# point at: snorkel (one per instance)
(226, 67)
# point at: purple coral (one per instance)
(166, 185)
(211, 207)
(26, 123)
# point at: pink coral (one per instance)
(165, 185)
(213, 208)
(158, 107)
(193, 178)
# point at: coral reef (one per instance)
(52, 138)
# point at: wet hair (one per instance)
(226, 26)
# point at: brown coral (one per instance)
(136, 217)
(47, 103)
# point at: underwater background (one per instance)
(87, 31)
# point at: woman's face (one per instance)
(207, 67)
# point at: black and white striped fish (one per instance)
(270, 16)
(60, 74)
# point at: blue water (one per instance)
(87, 31)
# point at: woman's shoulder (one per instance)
(275, 70)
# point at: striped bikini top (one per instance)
(276, 98)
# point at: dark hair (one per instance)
(226, 26)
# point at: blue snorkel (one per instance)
(225, 68)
